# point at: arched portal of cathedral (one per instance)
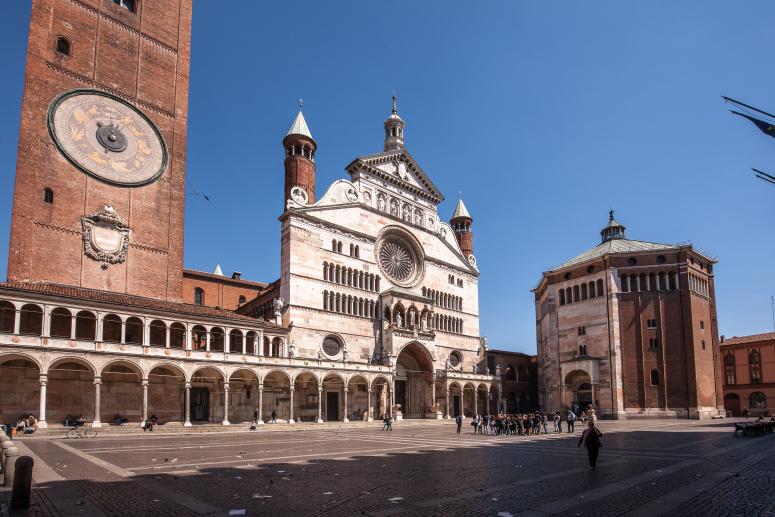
(414, 381)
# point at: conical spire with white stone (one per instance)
(461, 222)
(300, 150)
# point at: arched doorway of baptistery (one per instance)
(414, 381)
(578, 391)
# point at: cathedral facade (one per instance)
(375, 311)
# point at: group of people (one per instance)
(524, 424)
(26, 424)
(74, 421)
(527, 424)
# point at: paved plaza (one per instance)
(646, 467)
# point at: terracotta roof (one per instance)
(753, 338)
(94, 295)
(616, 246)
(220, 278)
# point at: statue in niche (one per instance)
(394, 207)
(292, 349)
(424, 323)
(418, 218)
(381, 203)
(407, 213)
(399, 320)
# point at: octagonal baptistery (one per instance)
(370, 265)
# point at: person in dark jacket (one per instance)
(591, 440)
(459, 422)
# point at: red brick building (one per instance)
(217, 290)
(747, 364)
(630, 328)
(519, 379)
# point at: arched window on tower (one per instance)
(63, 46)
(339, 247)
(48, 195)
(199, 296)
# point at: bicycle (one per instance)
(81, 432)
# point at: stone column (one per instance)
(72, 327)
(260, 404)
(42, 408)
(290, 420)
(244, 343)
(225, 403)
(207, 347)
(146, 332)
(260, 345)
(123, 331)
(462, 402)
(97, 383)
(167, 334)
(17, 321)
(226, 340)
(47, 321)
(368, 405)
(145, 401)
(320, 404)
(187, 409)
(345, 419)
(187, 340)
(446, 408)
(476, 402)
(100, 325)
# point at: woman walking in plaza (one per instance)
(591, 440)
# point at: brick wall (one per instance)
(142, 57)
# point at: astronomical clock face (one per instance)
(107, 137)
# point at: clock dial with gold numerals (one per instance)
(107, 137)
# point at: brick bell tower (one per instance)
(300, 150)
(461, 222)
(100, 174)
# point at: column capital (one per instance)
(346, 389)
(187, 385)
(43, 378)
(260, 388)
(226, 386)
(144, 383)
(291, 389)
(98, 380)
(320, 388)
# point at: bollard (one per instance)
(4, 447)
(11, 454)
(22, 483)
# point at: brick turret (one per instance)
(461, 222)
(300, 150)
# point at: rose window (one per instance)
(396, 260)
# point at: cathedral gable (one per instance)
(400, 169)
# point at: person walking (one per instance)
(274, 416)
(557, 422)
(459, 422)
(571, 420)
(544, 422)
(591, 440)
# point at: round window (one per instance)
(660, 259)
(331, 346)
(399, 259)
(632, 261)
(454, 358)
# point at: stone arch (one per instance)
(243, 394)
(134, 332)
(121, 391)
(380, 387)
(414, 380)
(277, 395)
(85, 325)
(579, 390)
(70, 389)
(358, 400)
(157, 333)
(332, 403)
(20, 374)
(61, 321)
(207, 394)
(166, 391)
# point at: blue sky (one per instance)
(544, 114)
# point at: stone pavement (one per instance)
(646, 467)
